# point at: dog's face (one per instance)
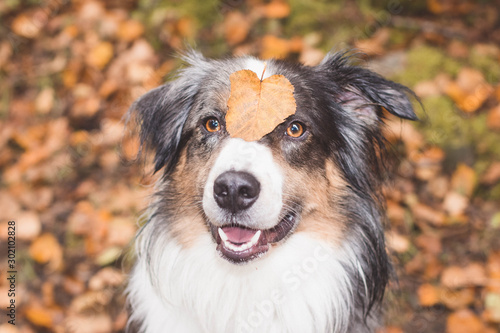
(315, 173)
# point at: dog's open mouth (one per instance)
(239, 244)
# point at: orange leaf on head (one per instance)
(255, 106)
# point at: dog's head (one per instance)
(317, 172)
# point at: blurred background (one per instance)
(70, 69)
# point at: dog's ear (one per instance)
(162, 112)
(365, 92)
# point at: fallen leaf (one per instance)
(80, 220)
(493, 119)
(107, 88)
(427, 89)
(432, 155)
(429, 243)
(416, 264)
(274, 47)
(427, 163)
(109, 255)
(428, 295)
(311, 56)
(492, 174)
(29, 226)
(46, 249)
(236, 27)
(470, 90)
(141, 52)
(138, 73)
(428, 214)
(130, 30)
(37, 199)
(39, 316)
(495, 221)
(100, 55)
(494, 272)
(44, 101)
(5, 53)
(106, 277)
(433, 267)
(439, 187)
(276, 9)
(121, 231)
(26, 26)
(109, 160)
(73, 286)
(492, 307)
(91, 11)
(455, 204)
(456, 299)
(464, 180)
(90, 300)
(255, 106)
(464, 321)
(395, 212)
(86, 107)
(396, 130)
(374, 45)
(458, 49)
(99, 323)
(397, 242)
(435, 6)
(9, 206)
(473, 274)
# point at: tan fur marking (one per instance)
(186, 229)
(319, 192)
(188, 180)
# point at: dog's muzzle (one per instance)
(235, 192)
(242, 201)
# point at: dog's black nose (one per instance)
(236, 190)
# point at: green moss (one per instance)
(423, 63)
(451, 130)
(398, 37)
(310, 16)
(451, 66)
(495, 220)
(447, 127)
(494, 193)
(26, 264)
(441, 124)
(205, 13)
(5, 97)
(486, 64)
(338, 39)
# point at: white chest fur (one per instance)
(300, 286)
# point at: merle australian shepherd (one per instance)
(282, 234)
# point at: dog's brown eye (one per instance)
(295, 129)
(212, 124)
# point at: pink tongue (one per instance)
(238, 235)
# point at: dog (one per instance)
(279, 234)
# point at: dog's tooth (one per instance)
(222, 235)
(234, 247)
(255, 238)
